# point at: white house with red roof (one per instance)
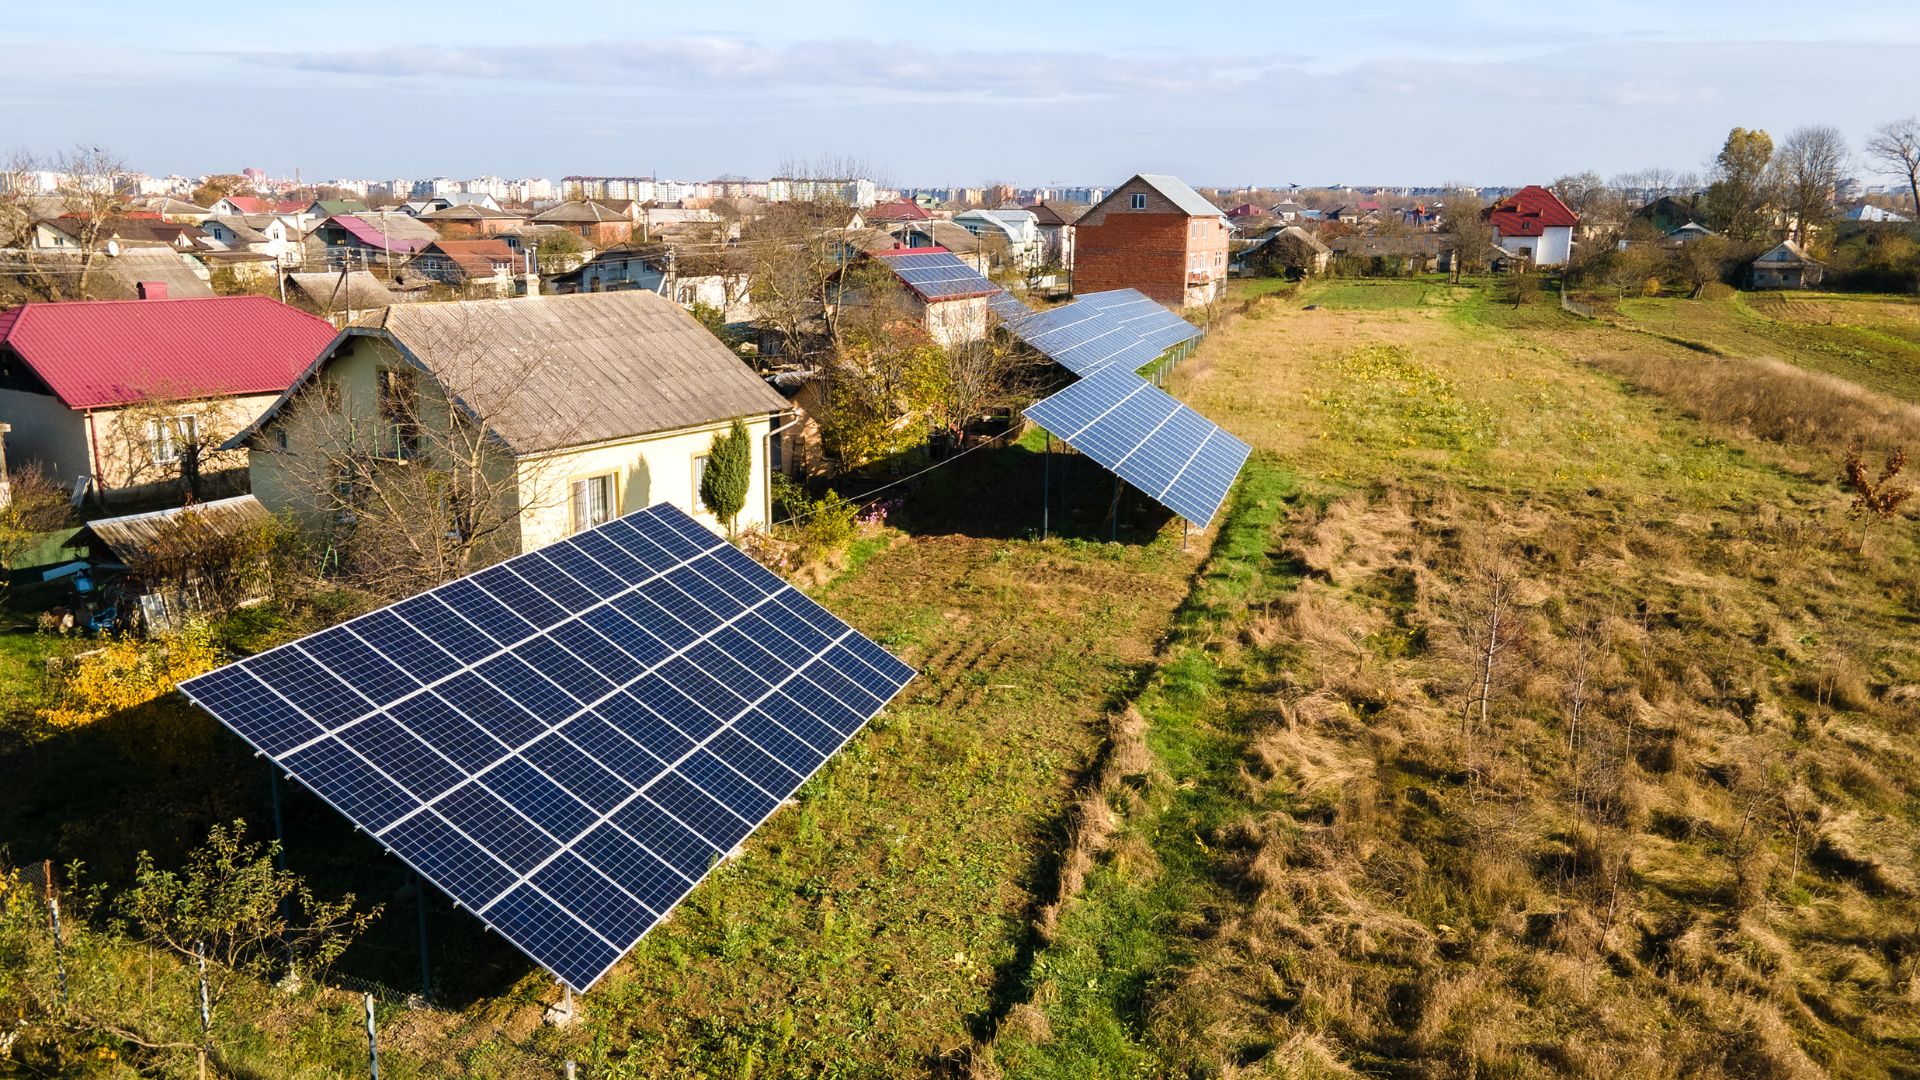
(121, 397)
(1534, 224)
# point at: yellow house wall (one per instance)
(648, 469)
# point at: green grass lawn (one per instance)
(1382, 294)
(1872, 341)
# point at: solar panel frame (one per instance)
(1135, 430)
(490, 777)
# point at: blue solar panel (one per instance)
(1182, 460)
(939, 275)
(566, 742)
(1121, 328)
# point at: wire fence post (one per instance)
(206, 1007)
(373, 1042)
(59, 943)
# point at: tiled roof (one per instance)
(105, 353)
(1530, 212)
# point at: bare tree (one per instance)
(406, 474)
(981, 375)
(1875, 498)
(795, 257)
(1811, 163)
(1465, 225)
(171, 436)
(1896, 146)
(90, 198)
(1488, 617)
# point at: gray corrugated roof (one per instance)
(1177, 191)
(132, 536)
(549, 372)
(324, 290)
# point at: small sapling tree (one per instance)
(729, 472)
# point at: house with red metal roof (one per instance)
(1534, 224)
(127, 398)
(365, 241)
(235, 205)
(892, 213)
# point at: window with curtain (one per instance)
(593, 502)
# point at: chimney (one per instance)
(153, 290)
(530, 281)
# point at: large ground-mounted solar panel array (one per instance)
(1186, 462)
(1181, 459)
(567, 741)
(1122, 327)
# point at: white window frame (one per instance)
(699, 474)
(1138, 200)
(581, 510)
(163, 446)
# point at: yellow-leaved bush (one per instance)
(126, 672)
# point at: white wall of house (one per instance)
(952, 322)
(1552, 248)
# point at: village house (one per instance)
(1786, 265)
(1055, 222)
(951, 311)
(1534, 225)
(477, 267)
(473, 220)
(1287, 250)
(651, 267)
(337, 296)
(1015, 233)
(892, 213)
(600, 404)
(944, 235)
(366, 241)
(109, 395)
(1155, 234)
(238, 205)
(601, 226)
(267, 235)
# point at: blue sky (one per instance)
(1384, 92)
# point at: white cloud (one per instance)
(836, 67)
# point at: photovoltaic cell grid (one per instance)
(567, 741)
(938, 275)
(1122, 327)
(1184, 461)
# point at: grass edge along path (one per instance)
(1103, 935)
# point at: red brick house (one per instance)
(1157, 235)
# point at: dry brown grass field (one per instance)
(1560, 724)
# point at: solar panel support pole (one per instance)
(1046, 481)
(279, 825)
(1115, 510)
(426, 968)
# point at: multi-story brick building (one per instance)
(1155, 234)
